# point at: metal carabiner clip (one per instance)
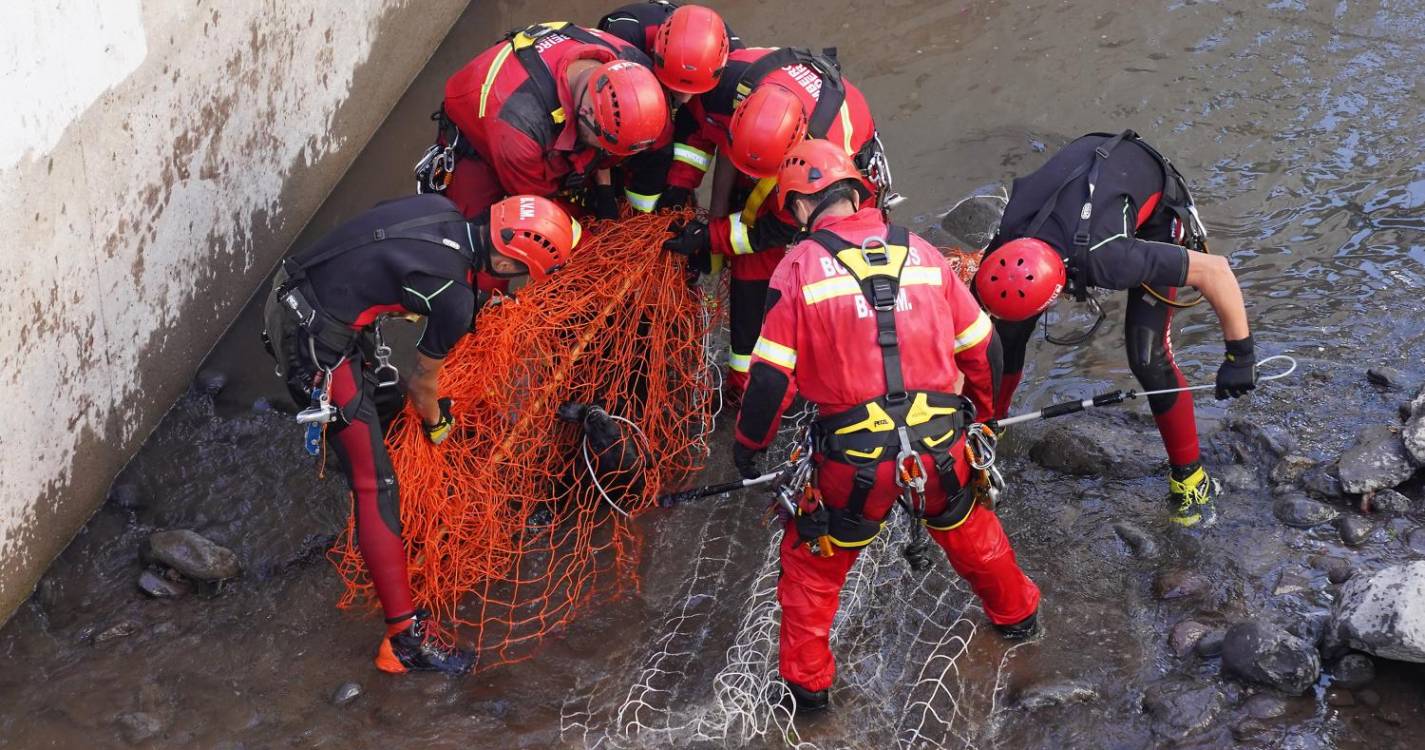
(382, 355)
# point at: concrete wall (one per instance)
(156, 159)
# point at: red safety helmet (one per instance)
(690, 50)
(1020, 279)
(630, 108)
(767, 124)
(813, 166)
(534, 231)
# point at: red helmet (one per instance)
(534, 231)
(690, 50)
(814, 165)
(1020, 279)
(630, 109)
(764, 128)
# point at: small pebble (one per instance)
(1210, 645)
(1264, 706)
(1388, 377)
(210, 382)
(346, 693)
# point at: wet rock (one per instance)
(210, 382)
(346, 693)
(1210, 645)
(138, 727)
(115, 632)
(193, 555)
(1415, 541)
(1271, 439)
(1388, 377)
(1267, 655)
(1302, 512)
(1384, 613)
(1353, 671)
(1102, 445)
(1185, 637)
(1354, 529)
(1368, 698)
(1178, 584)
(1181, 708)
(1323, 481)
(1414, 438)
(1237, 478)
(1291, 582)
(1139, 542)
(262, 405)
(1263, 706)
(126, 495)
(1338, 570)
(1049, 694)
(1290, 468)
(159, 586)
(1377, 461)
(1390, 502)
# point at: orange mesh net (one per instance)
(506, 532)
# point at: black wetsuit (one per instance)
(1133, 240)
(427, 270)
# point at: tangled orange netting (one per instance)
(507, 535)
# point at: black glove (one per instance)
(675, 197)
(1238, 373)
(438, 432)
(688, 239)
(814, 525)
(746, 460)
(605, 200)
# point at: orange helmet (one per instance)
(630, 109)
(764, 128)
(815, 165)
(690, 50)
(534, 231)
(1020, 279)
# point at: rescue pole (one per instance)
(1119, 396)
(675, 498)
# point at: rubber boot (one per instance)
(412, 649)
(802, 701)
(1022, 630)
(1191, 491)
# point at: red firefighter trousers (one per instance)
(810, 586)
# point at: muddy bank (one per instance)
(1300, 127)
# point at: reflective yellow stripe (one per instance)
(955, 525)
(739, 362)
(641, 202)
(757, 197)
(782, 356)
(854, 545)
(846, 129)
(741, 244)
(845, 286)
(975, 333)
(693, 157)
(836, 286)
(494, 71)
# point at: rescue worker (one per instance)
(688, 45)
(548, 111)
(868, 322)
(1110, 212)
(768, 101)
(413, 256)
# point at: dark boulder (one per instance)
(1384, 613)
(1180, 708)
(1267, 655)
(1377, 461)
(1354, 529)
(1139, 542)
(1099, 447)
(1300, 511)
(193, 555)
(1353, 671)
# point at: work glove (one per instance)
(747, 460)
(605, 200)
(1238, 373)
(438, 432)
(689, 239)
(674, 197)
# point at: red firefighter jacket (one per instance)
(819, 336)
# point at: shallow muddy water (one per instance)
(1299, 125)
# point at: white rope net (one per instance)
(907, 675)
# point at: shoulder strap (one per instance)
(878, 270)
(524, 44)
(781, 57)
(1078, 252)
(296, 266)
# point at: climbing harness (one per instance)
(989, 482)
(1119, 396)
